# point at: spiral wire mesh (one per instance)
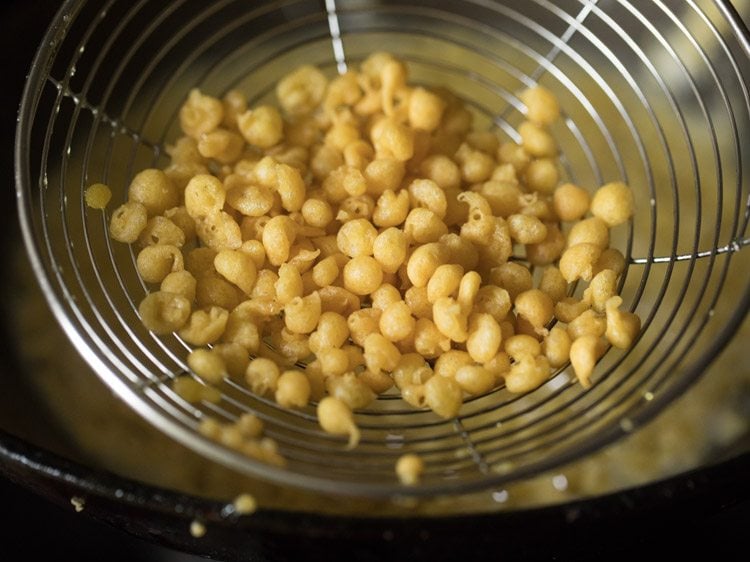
(654, 93)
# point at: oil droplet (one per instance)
(560, 482)
(500, 496)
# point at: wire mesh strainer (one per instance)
(653, 93)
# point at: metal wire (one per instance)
(654, 93)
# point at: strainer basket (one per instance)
(653, 93)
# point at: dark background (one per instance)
(33, 527)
